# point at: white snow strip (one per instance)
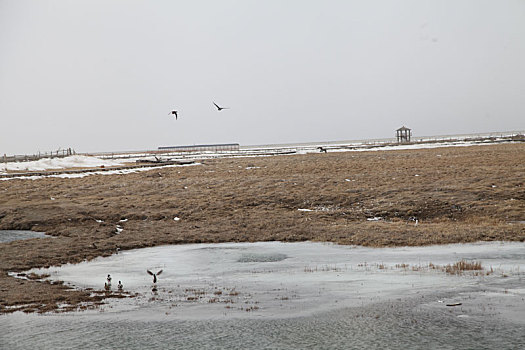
(107, 172)
(75, 161)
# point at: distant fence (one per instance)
(508, 136)
(202, 148)
(61, 153)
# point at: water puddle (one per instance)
(15, 235)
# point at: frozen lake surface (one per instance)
(290, 295)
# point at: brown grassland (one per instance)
(457, 194)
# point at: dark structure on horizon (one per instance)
(403, 134)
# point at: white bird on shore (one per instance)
(154, 275)
(120, 286)
(109, 279)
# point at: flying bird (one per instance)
(175, 113)
(154, 275)
(220, 108)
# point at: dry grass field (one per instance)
(456, 194)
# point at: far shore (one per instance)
(370, 198)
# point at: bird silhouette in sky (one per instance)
(175, 113)
(220, 108)
(154, 275)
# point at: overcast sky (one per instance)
(103, 75)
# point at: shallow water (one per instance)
(15, 235)
(286, 296)
(393, 325)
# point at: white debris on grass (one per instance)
(176, 218)
(375, 218)
(305, 209)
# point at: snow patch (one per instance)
(75, 161)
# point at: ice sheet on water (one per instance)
(273, 279)
(257, 257)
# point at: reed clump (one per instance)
(463, 265)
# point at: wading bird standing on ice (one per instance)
(154, 275)
(220, 108)
(175, 113)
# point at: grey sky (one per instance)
(103, 75)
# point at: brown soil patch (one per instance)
(457, 194)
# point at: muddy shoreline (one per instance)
(376, 198)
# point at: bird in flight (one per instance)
(154, 275)
(220, 108)
(175, 113)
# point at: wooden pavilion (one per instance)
(403, 134)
